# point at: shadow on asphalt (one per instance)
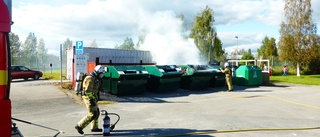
(154, 97)
(249, 89)
(158, 97)
(167, 132)
(281, 86)
(29, 80)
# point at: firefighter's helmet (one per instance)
(226, 64)
(99, 69)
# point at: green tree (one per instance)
(66, 45)
(29, 55)
(218, 52)
(298, 40)
(15, 45)
(319, 46)
(54, 60)
(202, 31)
(268, 49)
(247, 55)
(238, 53)
(314, 65)
(234, 54)
(42, 52)
(94, 44)
(127, 44)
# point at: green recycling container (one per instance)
(195, 77)
(125, 80)
(249, 76)
(218, 79)
(163, 78)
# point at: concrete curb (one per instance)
(74, 97)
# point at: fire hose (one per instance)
(59, 131)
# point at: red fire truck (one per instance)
(5, 103)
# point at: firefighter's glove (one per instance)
(92, 102)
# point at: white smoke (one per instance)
(165, 41)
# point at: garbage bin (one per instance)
(249, 76)
(218, 79)
(163, 78)
(125, 80)
(265, 78)
(195, 77)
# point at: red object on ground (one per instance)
(270, 73)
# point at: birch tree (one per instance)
(42, 52)
(298, 40)
(29, 55)
(203, 32)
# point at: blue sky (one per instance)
(109, 22)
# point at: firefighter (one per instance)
(227, 72)
(90, 93)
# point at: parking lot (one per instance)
(282, 110)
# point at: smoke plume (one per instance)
(163, 37)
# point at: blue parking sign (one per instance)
(79, 47)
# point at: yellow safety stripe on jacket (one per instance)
(90, 95)
(3, 77)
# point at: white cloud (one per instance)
(272, 12)
(244, 41)
(235, 11)
(316, 12)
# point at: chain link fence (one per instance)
(276, 66)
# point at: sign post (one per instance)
(79, 47)
(60, 66)
(51, 68)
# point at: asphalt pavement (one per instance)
(261, 111)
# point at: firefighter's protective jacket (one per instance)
(227, 71)
(90, 87)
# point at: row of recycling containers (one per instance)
(130, 80)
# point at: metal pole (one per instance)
(237, 47)
(61, 65)
(210, 51)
